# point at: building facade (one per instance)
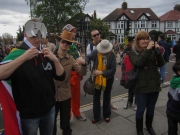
(136, 19)
(170, 23)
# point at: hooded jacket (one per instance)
(173, 104)
(147, 62)
(33, 86)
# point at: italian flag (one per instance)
(12, 124)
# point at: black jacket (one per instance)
(33, 86)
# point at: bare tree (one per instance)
(7, 38)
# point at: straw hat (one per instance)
(65, 35)
(104, 46)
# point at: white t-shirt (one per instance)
(88, 50)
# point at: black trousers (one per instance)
(131, 96)
(64, 108)
(106, 101)
(172, 125)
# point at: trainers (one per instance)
(135, 107)
(129, 105)
(81, 118)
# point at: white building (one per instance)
(140, 19)
(170, 23)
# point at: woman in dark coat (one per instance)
(147, 57)
(103, 70)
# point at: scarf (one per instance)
(100, 81)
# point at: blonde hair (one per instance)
(140, 35)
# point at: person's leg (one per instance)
(141, 105)
(47, 123)
(107, 98)
(30, 126)
(75, 95)
(151, 102)
(65, 117)
(163, 73)
(130, 96)
(97, 105)
(172, 125)
(57, 107)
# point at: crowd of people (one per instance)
(45, 79)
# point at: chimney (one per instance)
(124, 5)
(94, 14)
(177, 7)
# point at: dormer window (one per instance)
(148, 14)
(132, 11)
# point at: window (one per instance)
(120, 39)
(120, 25)
(132, 11)
(169, 24)
(143, 24)
(154, 24)
(148, 14)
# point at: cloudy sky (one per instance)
(14, 13)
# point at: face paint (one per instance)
(35, 28)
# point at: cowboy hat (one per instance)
(104, 46)
(65, 35)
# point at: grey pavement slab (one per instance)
(159, 123)
(89, 115)
(121, 111)
(118, 126)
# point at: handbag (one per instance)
(89, 86)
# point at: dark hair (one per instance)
(130, 38)
(162, 36)
(176, 67)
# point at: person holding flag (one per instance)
(29, 72)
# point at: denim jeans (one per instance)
(44, 123)
(163, 72)
(106, 101)
(146, 101)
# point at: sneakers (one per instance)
(135, 107)
(129, 105)
(81, 118)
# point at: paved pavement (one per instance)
(122, 120)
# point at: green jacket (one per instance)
(149, 77)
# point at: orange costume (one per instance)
(75, 93)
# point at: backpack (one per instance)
(129, 73)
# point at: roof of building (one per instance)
(170, 32)
(131, 13)
(172, 15)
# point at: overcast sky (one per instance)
(14, 13)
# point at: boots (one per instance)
(149, 119)
(139, 126)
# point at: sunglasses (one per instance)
(67, 43)
(96, 35)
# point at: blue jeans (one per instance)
(146, 101)
(44, 123)
(163, 72)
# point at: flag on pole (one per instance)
(10, 113)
